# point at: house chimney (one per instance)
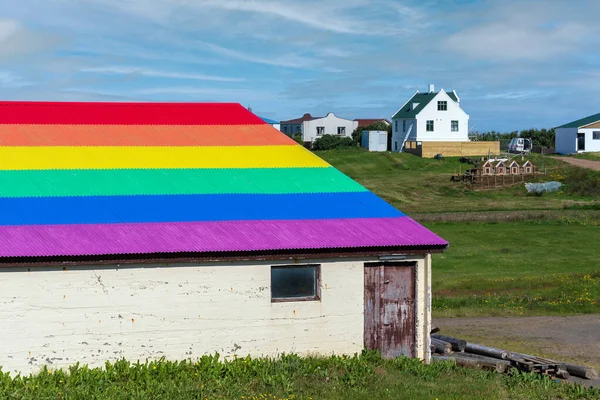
(431, 88)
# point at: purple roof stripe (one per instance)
(102, 239)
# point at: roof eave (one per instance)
(187, 258)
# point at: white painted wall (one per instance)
(591, 144)
(374, 140)
(331, 123)
(566, 140)
(442, 122)
(57, 318)
(399, 134)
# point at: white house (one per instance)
(132, 230)
(430, 117)
(579, 136)
(312, 128)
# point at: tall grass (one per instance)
(365, 376)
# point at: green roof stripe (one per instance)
(582, 122)
(122, 182)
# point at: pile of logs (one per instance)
(445, 348)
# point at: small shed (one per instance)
(150, 230)
(374, 140)
(514, 168)
(527, 168)
(500, 168)
(487, 168)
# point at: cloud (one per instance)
(11, 80)
(280, 60)
(516, 95)
(148, 72)
(16, 40)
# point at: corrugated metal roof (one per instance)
(582, 122)
(93, 179)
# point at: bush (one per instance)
(330, 142)
(583, 181)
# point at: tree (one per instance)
(377, 126)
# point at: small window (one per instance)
(285, 129)
(403, 126)
(442, 106)
(320, 130)
(430, 126)
(295, 283)
(341, 130)
(395, 146)
(396, 125)
(596, 135)
(297, 129)
(454, 126)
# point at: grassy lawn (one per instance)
(292, 377)
(519, 268)
(416, 185)
(594, 156)
(510, 253)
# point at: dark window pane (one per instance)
(293, 282)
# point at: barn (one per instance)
(149, 230)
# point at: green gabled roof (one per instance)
(423, 99)
(582, 122)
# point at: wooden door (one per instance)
(390, 308)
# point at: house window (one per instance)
(396, 125)
(403, 126)
(430, 126)
(596, 135)
(295, 283)
(320, 130)
(341, 130)
(442, 106)
(297, 129)
(454, 126)
(285, 129)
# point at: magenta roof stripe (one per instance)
(221, 236)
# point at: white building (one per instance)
(579, 136)
(430, 117)
(173, 241)
(311, 128)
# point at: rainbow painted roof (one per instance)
(94, 179)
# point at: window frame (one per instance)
(452, 125)
(432, 125)
(404, 126)
(316, 297)
(595, 135)
(322, 128)
(396, 125)
(341, 128)
(442, 105)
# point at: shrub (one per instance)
(330, 142)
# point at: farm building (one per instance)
(149, 230)
(433, 123)
(374, 140)
(579, 136)
(311, 128)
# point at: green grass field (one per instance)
(511, 253)
(290, 378)
(594, 156)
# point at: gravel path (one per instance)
(572, 339)
(578, 162)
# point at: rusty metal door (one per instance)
(390, 308)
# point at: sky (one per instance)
(516, 64)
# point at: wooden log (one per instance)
(431, 348)
(500, 366)
(441, 346)
(457, 344)
(582, 371)
(563, 374)
(486, 351)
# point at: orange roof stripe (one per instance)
(142, 135)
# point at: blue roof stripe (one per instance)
(180, 208)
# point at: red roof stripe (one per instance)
(126, 113)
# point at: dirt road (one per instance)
(572, 339)
(578, 162)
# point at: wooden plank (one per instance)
(398, 310)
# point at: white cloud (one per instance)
(15, 39)
(142, 71)
(516, 95)
(11, 80)
(280, 60)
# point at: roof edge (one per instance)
(187, 258)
